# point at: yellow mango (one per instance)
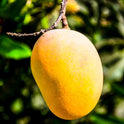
(68, 72)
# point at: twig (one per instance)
(64, 19)
(65, 22)
(60, 17)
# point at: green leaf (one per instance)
(27, 19)
(114, 42)
(1, 83)
(17, 106)
(45, 22)
(12, 10)
(118, 89)
(105, 119)
(3, 2)
(13, 49)
(75, 21)
(116, 71)
(121, 28)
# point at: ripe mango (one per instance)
(68, 71)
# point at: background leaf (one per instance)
(13, 49)
(105, 119)
(11, 10)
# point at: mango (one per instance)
(68, 71)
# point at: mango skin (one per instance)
(68, 71)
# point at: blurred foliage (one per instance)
(13, 49)
(100, 20)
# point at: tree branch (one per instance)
(60, 17)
